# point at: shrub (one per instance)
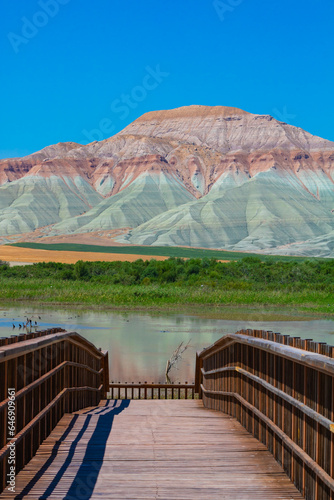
(81, 270)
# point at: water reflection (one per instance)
(140, 344)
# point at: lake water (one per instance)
(140, 344)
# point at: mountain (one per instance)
(212, 177)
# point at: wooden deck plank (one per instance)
(166, 450)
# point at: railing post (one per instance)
(198, 374)
(105, 365)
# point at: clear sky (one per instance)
(79, 70)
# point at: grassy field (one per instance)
(161, 297)
(195, 253)
(304, 286)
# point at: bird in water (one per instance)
(13, 326)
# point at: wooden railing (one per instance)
(281, 389)
(151, 391)
(13, 339)
(44, 375)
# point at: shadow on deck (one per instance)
(166, 449)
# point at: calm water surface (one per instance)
(140, 344)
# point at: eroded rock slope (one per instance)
(213, 177)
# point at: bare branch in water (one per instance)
(175, 357)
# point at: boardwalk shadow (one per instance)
(85, 479)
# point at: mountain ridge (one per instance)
(171, 178)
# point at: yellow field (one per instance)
(17, 254)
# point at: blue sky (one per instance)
(76, 70)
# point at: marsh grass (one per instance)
(305, 286)
(81, 293)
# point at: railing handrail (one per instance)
(26, 346)
(307, 460)
(20, 435)
(17, 349)
(281, 389)
(320, 362)
(45, 377)
(287, 340)
(141, 385)
(52, 372)
(305, 344)
(28, 335)
(325, 422)
(145, 390)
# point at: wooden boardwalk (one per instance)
(157, 449)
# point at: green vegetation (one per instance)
(307, 285)
(195, 253)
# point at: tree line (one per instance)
(242, 274)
